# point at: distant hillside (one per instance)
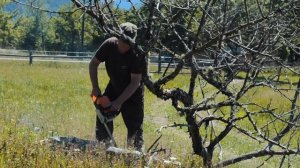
(49, 4)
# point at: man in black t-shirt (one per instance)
(124, 89)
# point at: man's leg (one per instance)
(133, 116)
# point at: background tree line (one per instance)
(35, 29)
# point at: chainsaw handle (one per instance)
(103, 101)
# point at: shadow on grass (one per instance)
(262, 79)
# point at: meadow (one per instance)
(51, 98)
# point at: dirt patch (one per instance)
(157, 120)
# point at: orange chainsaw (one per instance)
(103, 104)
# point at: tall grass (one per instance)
(53, 98)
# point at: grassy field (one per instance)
(54, 99)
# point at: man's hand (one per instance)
(96, 92)
(103, 102)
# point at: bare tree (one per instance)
(239, 36)
(243, 38)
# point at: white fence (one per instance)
(62, 56)
(45, 55)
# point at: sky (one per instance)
(126, 5)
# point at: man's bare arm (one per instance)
(129, 90)
(93, 70)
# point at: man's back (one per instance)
(119, 66)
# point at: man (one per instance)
(124, 89)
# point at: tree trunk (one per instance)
(194, 134)
(207, 160)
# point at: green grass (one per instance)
(20, 147)
(55, 97)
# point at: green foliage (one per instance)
(5, 31)
(19, 31)
(67, 31)
(34, 29)
(64, 32)
(6, 27)
(32, 35)
(3, 3)
(38, 30)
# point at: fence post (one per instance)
(148, 62)
(159, 64)
(30, 57)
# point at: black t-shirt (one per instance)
(118, 66)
